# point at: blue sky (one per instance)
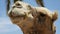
(6, 27)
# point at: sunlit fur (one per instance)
(32, 20)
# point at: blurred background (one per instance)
(6, 27)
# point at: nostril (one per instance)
(13, 6)
(29, 7)
(18, 4)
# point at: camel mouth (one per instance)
(20, 9)
(17, 12)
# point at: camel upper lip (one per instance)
(17, 7)
(12, 14)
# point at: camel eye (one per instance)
(42, 15)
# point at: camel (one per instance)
(33, 20)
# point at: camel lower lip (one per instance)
(18, 14)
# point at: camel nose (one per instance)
(17, 5)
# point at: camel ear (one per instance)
(54, 16)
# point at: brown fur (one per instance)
(37, 20)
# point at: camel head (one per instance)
(32, 19)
